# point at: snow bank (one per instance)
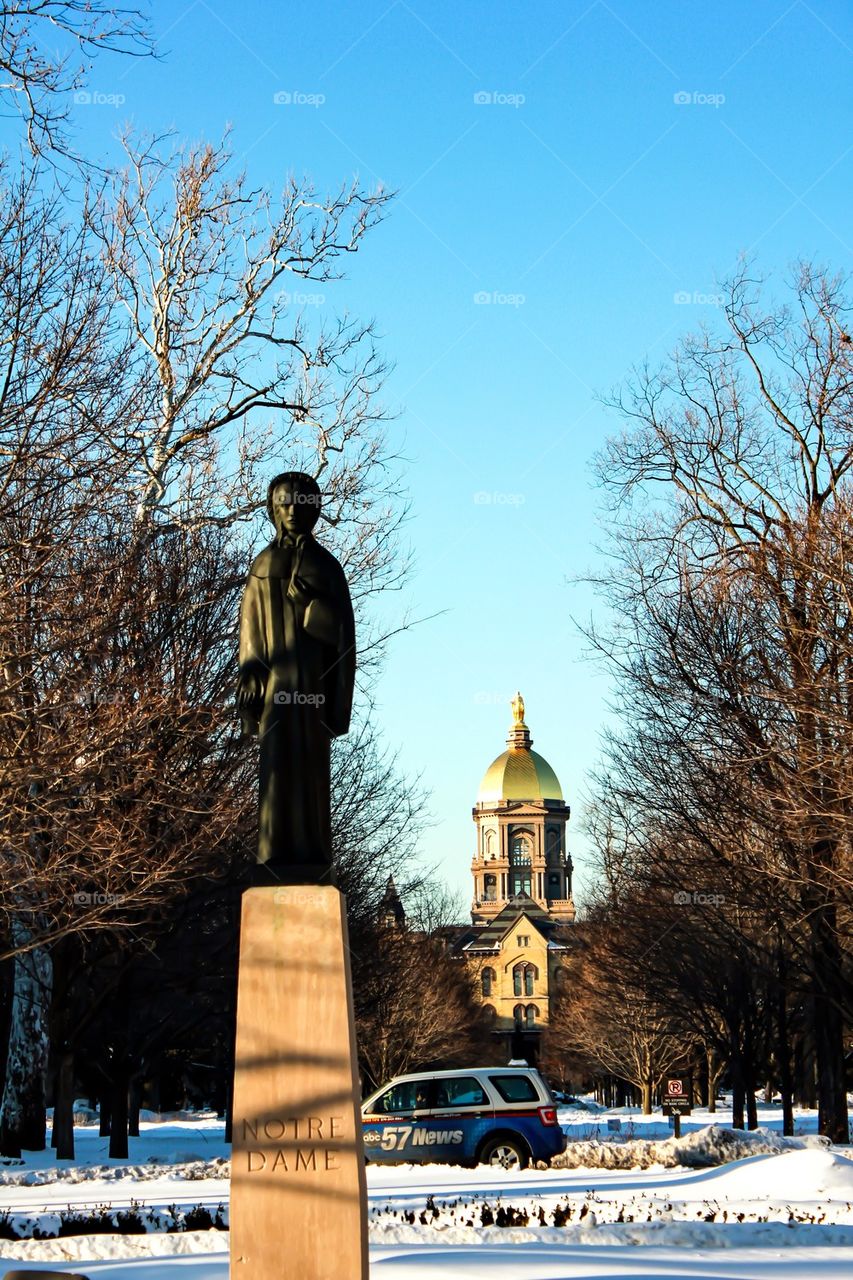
(95, 1248)
(799, 1177)
(701, 1149)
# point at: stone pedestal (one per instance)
(298, 1193)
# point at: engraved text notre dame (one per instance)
(293, 1144)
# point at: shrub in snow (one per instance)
(104, 1220)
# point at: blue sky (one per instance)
(573, 179)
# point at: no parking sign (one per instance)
(676, 1096)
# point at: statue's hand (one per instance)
(250, 691)
(300, 592)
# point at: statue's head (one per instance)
(293, 502)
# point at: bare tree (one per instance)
(415, 1007)
(144, 355)
(731, 580)
(36, 79)
(610, 1018)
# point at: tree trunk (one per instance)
(829, 1028)
(22, 1109)
(105, 1112)
(831, 1093)
(738, 1091)
(783, 1048)
(118, 1108)
(804, 1063)
(134, 1104)
(62, 1136)
(750, 1080)
(647, 1097)
(713, 1077)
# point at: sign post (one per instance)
(676, 1100)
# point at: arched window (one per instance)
(490, 888)
(523, 978)
(530, 1015)
(520, 860)
(490, 845)
(518, 1015)
(487, 979)
(489, 1012)
(553, 846)
(521, 854)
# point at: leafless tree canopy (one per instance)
(45, 48)
(730, 580)
(155, 373)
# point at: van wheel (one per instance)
(507, 1152)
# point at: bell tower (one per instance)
(520, 818)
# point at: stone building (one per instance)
(519, 937)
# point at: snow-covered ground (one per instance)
(787, 1215)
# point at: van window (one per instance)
(459, 1091)
(515, 1088)
(400, 1097)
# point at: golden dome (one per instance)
(519, 773)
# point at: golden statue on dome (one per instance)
(517, 705)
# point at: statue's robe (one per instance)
(305, 658)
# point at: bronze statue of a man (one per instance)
(295, 687)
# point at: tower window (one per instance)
(487, 979)
(521, 854)
(520, 882)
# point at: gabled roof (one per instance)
(491, 935)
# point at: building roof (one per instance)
(490, 936)
(519, 773)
